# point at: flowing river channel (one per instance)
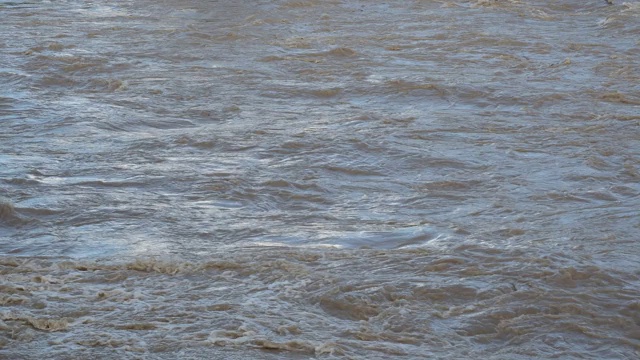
(321, 179)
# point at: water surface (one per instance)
(330, 179)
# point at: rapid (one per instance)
(330, 179)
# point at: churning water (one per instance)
(325, 179)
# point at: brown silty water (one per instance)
(319, 179)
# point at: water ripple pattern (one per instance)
(320, 179)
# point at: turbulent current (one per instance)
(331, 179)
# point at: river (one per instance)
(333, 179)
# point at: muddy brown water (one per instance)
(320, 179)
